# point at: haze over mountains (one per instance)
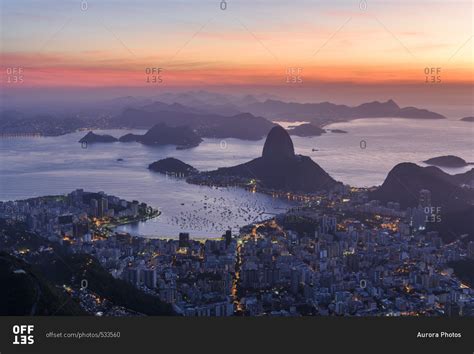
(210, 114)
(326, 112)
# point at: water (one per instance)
(388, 141)
(55, 165)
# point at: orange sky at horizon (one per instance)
(386, 45)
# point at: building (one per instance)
(228, 237)
(149, 278)
(183, 239)
(94, 204)
(103, 207)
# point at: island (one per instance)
(161, 134)
(447, 161)
(338, 131)
(306, 130)
(173, 167)
(91, 138)
(467, 119)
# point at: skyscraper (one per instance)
(183, 239)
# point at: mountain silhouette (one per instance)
(404, 182)
(161, 134)
(91, 138)
(453, 203)
(280, 168)
(243, 126)
(327, 112)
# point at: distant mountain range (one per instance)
(213, 115)
(14, 122)
(326, 112)
(241, 126)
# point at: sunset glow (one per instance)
(250, 43)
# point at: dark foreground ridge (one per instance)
(35, 283)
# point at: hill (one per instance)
(161, 134)
(455, 203)
(306, 130)
(447, 161)
(27, 293)
(172, 166)
(241, 126)
(404, 182)
(47, 271)
(91, 138)
(279, 167)
(324, 113)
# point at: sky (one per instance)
(94, 44)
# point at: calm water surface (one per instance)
(54, 165)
